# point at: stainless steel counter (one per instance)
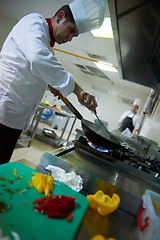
(120, 175)
(119, 224)
(111, 178)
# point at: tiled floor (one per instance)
(32, 153)
(37, 148)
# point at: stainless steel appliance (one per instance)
(127, 171)
(135, 27)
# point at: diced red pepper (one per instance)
(39, 200)
(56, 206)
(69, 217)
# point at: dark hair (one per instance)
(68, 13)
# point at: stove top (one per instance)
(125, 155)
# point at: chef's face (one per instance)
(134, 108)
(63, 30)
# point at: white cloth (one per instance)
(135, 118)
(27, 66)
(70, 179)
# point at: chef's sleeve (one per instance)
(136, 122)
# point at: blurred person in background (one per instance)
(129, 122)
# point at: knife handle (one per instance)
(65, 100)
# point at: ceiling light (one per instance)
(105, 66)
(105, 31)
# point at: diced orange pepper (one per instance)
(103, 203)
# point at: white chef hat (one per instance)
(88, 14)
(137, 102)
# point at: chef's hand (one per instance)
(88, 101)
(54, 91)
(85, 98)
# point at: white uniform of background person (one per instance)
(129, 122)
(135, 119)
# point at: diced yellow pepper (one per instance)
(48, 186)
(110, 239)
(103, 203)
(15, 173)
(100, 237)
(38, 182)
(92, 201)
(42, 183)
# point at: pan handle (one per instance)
(70, 106)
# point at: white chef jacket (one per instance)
(27, 66)
(135, 118)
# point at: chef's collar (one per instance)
(52, 42)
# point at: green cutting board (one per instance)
(23, 219)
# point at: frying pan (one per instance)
(95, 133)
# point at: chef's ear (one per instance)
(60, 16)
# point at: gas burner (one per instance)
(98, 148)
(125, 155)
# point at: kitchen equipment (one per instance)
(21, 217)
(137, 165)
(111, 176)
(49, 133)
(148, 217)
(141, 157)
(100, 122)
(95, 133)
(127, 172)
(112, 136)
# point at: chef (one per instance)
(28, 66)
(129, 123)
